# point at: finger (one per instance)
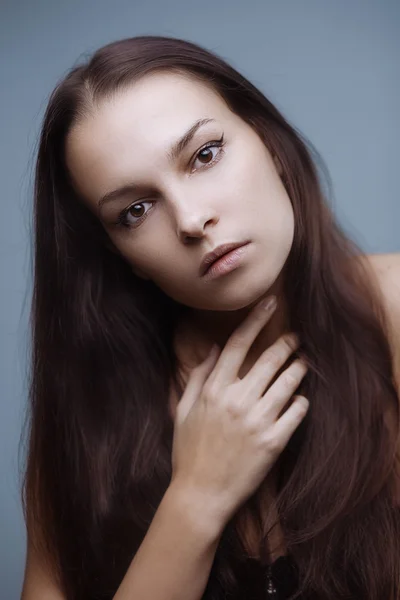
(290, 420)
(268, 364)
(196, 382)
(280, 392)
(239, 343)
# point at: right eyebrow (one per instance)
(172, 155)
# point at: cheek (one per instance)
(254, 179)
(159, 266)
(279, 234)
(277, 219)
(264, 201)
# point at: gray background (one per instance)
(330, 66)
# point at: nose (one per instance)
(194, 227)
(192, 219)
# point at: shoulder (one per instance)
(39, 580)
(386, 268)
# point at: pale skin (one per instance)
(189, 209)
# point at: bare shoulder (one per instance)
(386, 267)
(38, 581)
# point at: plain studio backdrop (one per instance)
(331, 67)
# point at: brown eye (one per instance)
(135, 212)
(206, 154)
(207, 157)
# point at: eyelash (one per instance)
(121, 221)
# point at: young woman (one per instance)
(160, 467)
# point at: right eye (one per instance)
(124, 214)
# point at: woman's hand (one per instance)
(228, 433)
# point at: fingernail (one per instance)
(268, 303)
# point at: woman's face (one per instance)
(180, 207)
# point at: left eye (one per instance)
(205, 153)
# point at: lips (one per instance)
(220, 251)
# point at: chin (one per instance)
(240, 293)
(230, 302)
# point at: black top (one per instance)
(277, 581)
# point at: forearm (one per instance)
(176, 555)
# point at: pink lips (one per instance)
(217, 253)
(226, 262)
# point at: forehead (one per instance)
(137, 124)
(161, 94)
(160, 103)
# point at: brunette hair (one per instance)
(100, 429)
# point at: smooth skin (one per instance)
(228, 434)
(181, 533)
(180, 209)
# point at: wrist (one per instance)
(205, 513)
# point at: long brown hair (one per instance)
(100, 430)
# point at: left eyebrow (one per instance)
(181, 144)
(172, 155)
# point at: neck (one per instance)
(200, 329)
